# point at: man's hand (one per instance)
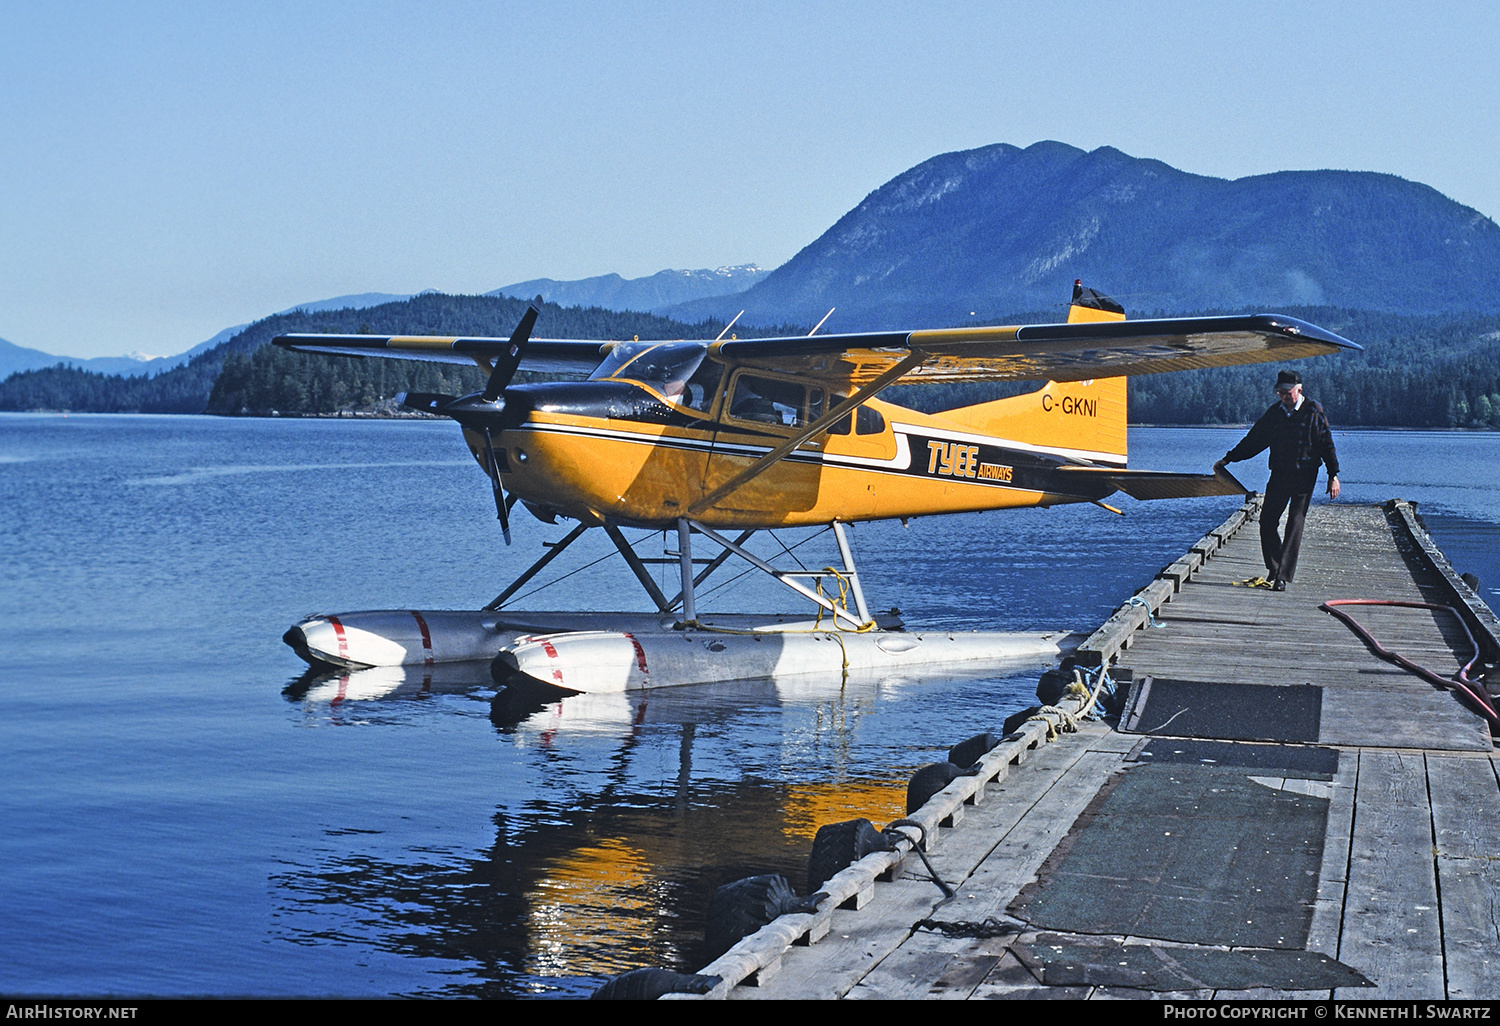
(1219, 466)
(1333, 487)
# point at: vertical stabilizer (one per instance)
(1086, 419)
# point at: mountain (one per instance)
(14, 358)
(1001, 229)
(357, 301)
(655, 292)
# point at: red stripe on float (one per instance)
(338, 630)
(552, 654)
(640, 653)
(426, 637)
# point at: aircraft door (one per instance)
(758, 412)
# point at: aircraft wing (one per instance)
(1041, 352)
(554, 355)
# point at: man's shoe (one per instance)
(1278, 586)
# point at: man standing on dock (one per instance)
(1296, 431)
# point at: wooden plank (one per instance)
(1010, 865)
(1403, 717)
(856, 943)
(859, 941)
(1015, 860)
(945, 968)
(1333, 875)
(1481, 618)
(1466, 830)
(1392, 930)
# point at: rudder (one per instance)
(1083, 419)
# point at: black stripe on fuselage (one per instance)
(932, 456)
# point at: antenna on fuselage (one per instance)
(730, 325)
(829, 314)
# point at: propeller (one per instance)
(503, 503)
(483, 411)
(507, 362)
(505, 369)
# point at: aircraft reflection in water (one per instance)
(611, 865)
(540, 711)
(703, 438)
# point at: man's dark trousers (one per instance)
(1280, 550)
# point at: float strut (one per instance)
(847, 554)
(685, 561)
(553, 551)
(713, 565)
(641, 573)
(781, 575)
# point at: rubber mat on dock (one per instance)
(1236, 712)
(1192, 853)
(1300, 762)
(1067, 961)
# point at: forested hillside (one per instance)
(1431, 371)
(256, 379)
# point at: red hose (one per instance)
(1472, 689)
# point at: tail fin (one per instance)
(1085, 419)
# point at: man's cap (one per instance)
(1288, 378)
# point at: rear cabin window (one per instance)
(865, 421)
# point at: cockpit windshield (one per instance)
(676, 370)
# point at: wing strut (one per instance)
(817, 427)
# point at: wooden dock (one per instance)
(1277, 812)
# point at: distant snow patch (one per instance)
(1070, 249)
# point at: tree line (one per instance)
(1438, 371)
(245, 376)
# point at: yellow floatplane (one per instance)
(716, 440)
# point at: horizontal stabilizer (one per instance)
(1153, 484)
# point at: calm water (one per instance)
(182, 814)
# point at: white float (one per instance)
(613, 653)
(603, 662)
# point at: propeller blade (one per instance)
(502, 508)
(507, 362)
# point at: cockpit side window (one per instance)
(703, 386)
(678, 371)
(770, 401)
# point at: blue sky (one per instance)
(169, 169)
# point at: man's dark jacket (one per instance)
(1298, 441)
